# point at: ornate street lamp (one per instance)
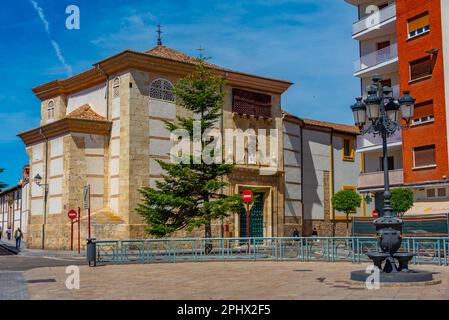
(38, 180)
(379, 114)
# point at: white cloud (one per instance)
(59, 55)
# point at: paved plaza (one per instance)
(224, 280)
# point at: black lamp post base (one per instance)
(395, 277)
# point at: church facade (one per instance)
(105, 128)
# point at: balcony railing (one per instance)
(372, 20)
(376, 58)
(376, 179)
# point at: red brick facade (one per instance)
(431, 88)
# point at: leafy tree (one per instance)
(191, 192)
(2, 185)
(346, 201)
(401, 200)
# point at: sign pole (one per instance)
(86, 191)
(88, 221)
(247, 225)
(71, 235)
(247, 197)
(79, 222)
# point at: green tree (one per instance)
(2, 185)
(346, 201)
(190, 195)
(401, 200)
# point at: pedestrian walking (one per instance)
(18, 236)
(296, 233)
(8, 233)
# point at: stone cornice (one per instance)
(65, 126)
(128, 59)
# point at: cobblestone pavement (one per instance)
(13, 286)
(226, 280)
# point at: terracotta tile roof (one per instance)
(168, 53)
(85, 112)
(331, 125)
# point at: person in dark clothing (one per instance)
(8, 233)
(315, 232)
(18, 236)
(296, 233)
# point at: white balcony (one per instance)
(373, 180)
(377, 24)
(377, 62)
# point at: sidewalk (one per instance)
(42, 253)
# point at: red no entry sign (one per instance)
(72, 214)
(247, 196)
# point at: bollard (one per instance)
(91, 252)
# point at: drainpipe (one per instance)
(332, 185)
(223, 155)
(107, 89)
(45, 187)
(302, 181)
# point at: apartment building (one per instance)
(14, 204)
(407, 44)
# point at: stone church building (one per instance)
(105, 128)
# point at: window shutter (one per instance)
(420, 68)
(418, 22)
(424, 156)
(423, 109)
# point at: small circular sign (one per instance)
(72, 214)
(247, 196)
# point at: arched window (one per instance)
(50, 109)
(162, 89)
(116, 88)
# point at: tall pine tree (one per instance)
(191, 192)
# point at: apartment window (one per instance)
(424, 156)
(436, 193)
(418, 25)
(348, 149)
(162, 89)
(386, 83)
(390, 163)
(383, 5)
(251, 103)
(423, 113)
(420, 68)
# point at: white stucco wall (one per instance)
(95, 97)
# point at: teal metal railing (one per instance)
(433, 250)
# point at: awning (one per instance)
(429, 207)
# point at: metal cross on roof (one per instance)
(159, 32)
(201, 49)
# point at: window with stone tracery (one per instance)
(50, 109)
(116, 88)
(162, 89)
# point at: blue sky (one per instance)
(307, 42)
